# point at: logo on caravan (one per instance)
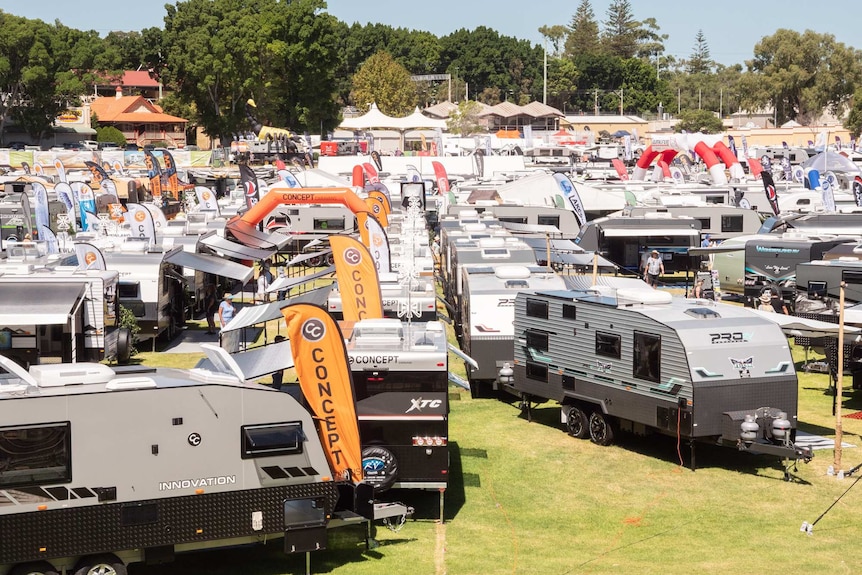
(419, 404)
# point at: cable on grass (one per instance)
(808, 528)
(509, 523)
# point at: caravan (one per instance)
(642, 361)
(102, 468)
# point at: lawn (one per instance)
(525, 498)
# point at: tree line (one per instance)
(301, 65)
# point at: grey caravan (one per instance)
(306, 223)
(641, 361)
(150, 287)
(626, 240)
(487, 313)
(772, 262)
(718, 221)
(563, 219)
(102, 468)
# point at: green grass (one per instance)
(525, 498)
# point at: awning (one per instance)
(283, 283)
(530, 228)
(305, 257)
(637, 232)
(249, 316)
(211, 265)
(234, 249)
(579, 259)
(259, 361)
(39, 303)
(556, 244)
(585, 282)
(254, 238)
(794, 326)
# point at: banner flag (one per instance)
(358, 281)
(323, 370)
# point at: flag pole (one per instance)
(839, 431)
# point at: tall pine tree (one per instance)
(583, 37)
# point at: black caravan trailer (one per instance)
(639, 360)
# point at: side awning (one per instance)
(252, 315)
(211, 265)
(235, 250)
(39, 303)
(531, 228)
(283, 283)
(259, 361)
(637, 232)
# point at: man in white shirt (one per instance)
(653, 268)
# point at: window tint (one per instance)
(35, 454)
(647, 357)
(267, 440)
(537, 308)
(608, 344)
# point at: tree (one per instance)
(853, 123)
(699, 121)
(800, 75)
(621, 34)
(110, 134)
(382, 80)
(464, 121)
(557, 36)
(583, 35)
(699, 62)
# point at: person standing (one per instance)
(278, 376)
(653, 268)
(226, 310)
(211, 305)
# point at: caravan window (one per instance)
(537, 371)
(272, 439)
(129, 290)
(608, 344)
(647, 356)
(328, 224)
(513, 219)
(705, 223)
(569, 311)
(537, 340)
(537, 308)
(731, 223)
(35, 455)
(549, 221)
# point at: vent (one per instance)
(62, 374)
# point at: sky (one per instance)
(731, 29)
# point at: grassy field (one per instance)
(525, 498)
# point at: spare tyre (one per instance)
(379, 467)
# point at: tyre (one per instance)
(577, 424)
(38, 568)
(101, 565)
(379, 467)
(601, 432)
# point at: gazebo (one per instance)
(375, 119)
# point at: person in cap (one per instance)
(653, 268)
(226, 310)
(765, 300)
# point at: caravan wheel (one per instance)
(601, 432)
(101, 565)
(576, 423)
(39, 568)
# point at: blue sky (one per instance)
(731, 29)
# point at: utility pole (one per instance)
(596, 103)
(621, 101)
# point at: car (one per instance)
(16, 145)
